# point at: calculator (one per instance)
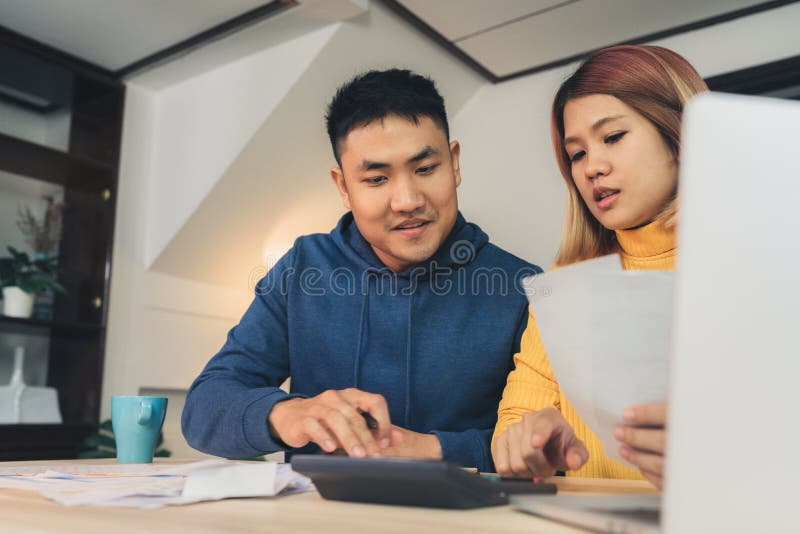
(406, 482)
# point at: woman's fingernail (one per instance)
(358, 451)
(538, 480)
(619, 433)
(536, 440)
(624, 452)
(629, 415)
(328, 445)
(385, 442)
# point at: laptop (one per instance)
(733, 462)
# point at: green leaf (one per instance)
(106, 426)
(30, 276)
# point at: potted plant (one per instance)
(42, 231)
(22, 278)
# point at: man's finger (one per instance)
(341, 428)
(645, 439)
(359, 427)
(396, 437)
(317, 433)
(646, 415)
(376, 406)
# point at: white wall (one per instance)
(147, 343)
(511, 185)
(276, 185)
(203, 124)
(511, 182)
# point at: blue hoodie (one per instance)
(437, 341)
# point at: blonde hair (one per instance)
(654, 81)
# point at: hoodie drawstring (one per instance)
(361, 334)
(406, 417)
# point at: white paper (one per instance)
(242, 480)
(154, 485)
(109, 469)
(606, 332)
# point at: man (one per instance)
(404, 311)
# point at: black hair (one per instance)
(375, 95)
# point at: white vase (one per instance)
(17, 303)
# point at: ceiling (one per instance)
(117, 34)
(501, 39)
(507, 38)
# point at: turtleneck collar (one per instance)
(651, 240)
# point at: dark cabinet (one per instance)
(60, 130)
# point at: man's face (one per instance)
(399, 179)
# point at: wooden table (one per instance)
(26, 512)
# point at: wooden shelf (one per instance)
(42, 442)
(43, 163)
(17, 323)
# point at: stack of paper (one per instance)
(607, 333)
(153, 485)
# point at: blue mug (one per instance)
(137, 423)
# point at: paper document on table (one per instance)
(137, 470)
(606, 332)
(154, 485)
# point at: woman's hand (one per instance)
(538, 446)
(644, 440)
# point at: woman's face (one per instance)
(620, 164)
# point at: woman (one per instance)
(616, 134)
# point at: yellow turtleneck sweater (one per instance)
(532, 385)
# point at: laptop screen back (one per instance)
(734, 440)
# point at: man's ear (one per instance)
(338, 180)
(455, 153)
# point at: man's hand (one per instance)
(333, 420)
(644, 440)
(410, 444)
(538, 446)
